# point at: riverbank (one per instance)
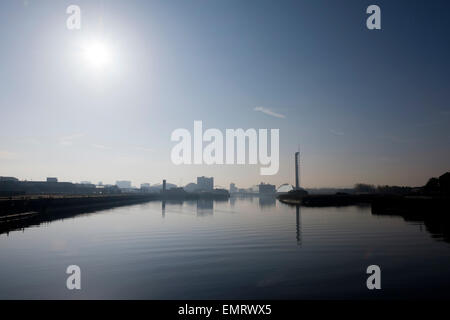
(327, 200)
(46, 204)
(380, 203)
(25, 211)
(50, 203)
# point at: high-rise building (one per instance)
(266, 188)
(205, 184)
(233, 188)
(297, 178)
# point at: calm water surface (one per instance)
(239, 249)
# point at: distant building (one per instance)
(49, 187)
(85, 182)
(145, 187)
(107, 189)
(205, 184)
(52, 179)
(233, 188)
(175, 191)
(266, 188)
(191, 187)
(123, 184)
(164, 188)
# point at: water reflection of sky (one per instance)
(245, 248)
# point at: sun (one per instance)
(97, 54)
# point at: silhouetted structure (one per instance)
(297, 194)
(175, 192)
(145, 187)
(297, 178)
(266, 189)
(205, 184)
(364, 188)
(124, 184)
(10, 188)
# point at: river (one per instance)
(246, 248)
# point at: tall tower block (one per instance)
(297, 159)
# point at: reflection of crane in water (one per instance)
(298, 225)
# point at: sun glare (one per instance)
(97, 54)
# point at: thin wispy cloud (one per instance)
(144, 149)
(397, 139)
(269, 112)
(100, 146)
(336, 133)
(68, 140)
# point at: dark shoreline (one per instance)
(24, 211)
(381, 203)
(50, 203)
(432, 211)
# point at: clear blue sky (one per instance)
(365, 106)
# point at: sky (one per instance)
(364, 105)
